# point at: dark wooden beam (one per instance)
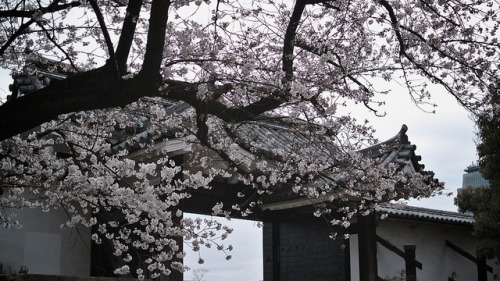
(482, 274)
(411, 268)
(467, 255)
(396, 250)
(367, 247)
(347, 260)
(276, 250)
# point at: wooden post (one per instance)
(482, 274)
(482, 267)
(347, 260)
(411, 268)
(367, 248)
(276, 249)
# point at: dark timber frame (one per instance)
(276, 249)
(367, 247)
(482, 267)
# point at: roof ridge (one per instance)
(425, 214)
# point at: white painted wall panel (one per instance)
(42, 253)
(43, 247)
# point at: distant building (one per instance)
(473, 178)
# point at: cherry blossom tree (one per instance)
(96, 142)
(483, 201)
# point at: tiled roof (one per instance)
(396, 150)
(425, 214)
(35, 76)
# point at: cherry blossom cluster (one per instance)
(81, 163)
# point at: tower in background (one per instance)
(473, 178)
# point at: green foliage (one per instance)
(489, 134)
(484, 203)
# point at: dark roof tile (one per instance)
(424, 214)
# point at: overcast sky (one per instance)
(445, 141)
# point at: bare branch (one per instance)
(419, 66)
(53, 7)
(439, 14)
(20, 31)
(58, 46)
(303, 45)
(289, 41)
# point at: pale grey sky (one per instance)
(445, 140)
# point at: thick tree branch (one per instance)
(186, 92)
(95, 89)
(54, 7)
(98, 89)
(105, 33)
(127, 34)
(156, 39)
(395, 25)
(289, 40)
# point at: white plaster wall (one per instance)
(354, 257)
(43, 247)
(438, 260)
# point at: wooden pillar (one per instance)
(367, 248)
(411, 267)
(347, 260)
(482, 274)
(482, 267)
(276, 250)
